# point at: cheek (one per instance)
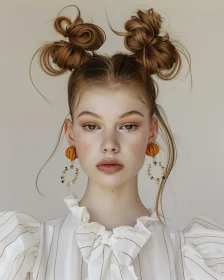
(138, 147)
(83, 146)
(85, 150)
(137, 153)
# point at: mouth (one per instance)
(109, 164)
(110, 168)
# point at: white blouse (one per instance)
(72, 248)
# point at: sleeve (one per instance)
(19, 242)
(203, 249)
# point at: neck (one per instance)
(114, 206)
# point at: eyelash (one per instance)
(91, 130)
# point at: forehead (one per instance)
(112, 99)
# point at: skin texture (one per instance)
(112, 199)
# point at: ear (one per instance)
(154, 128)
(69, 132)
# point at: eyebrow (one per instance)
(88, 113)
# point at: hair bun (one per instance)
(142, 30)
(81, 34)
(68, 55)
(153, 51)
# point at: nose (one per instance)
(110, 143)
(107, 150)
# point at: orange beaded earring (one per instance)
(152, 150)
(72, 155)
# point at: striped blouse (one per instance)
(72, 248)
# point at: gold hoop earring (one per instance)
(72, 155)
(152, 150)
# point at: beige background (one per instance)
(30, 126)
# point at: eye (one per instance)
(94, 125)
(89, 125)
(131, 124)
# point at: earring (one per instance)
(72, 155)
(152, 151)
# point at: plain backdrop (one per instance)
(30, 126)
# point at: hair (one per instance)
(150, 54)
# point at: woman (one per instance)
(109, 234)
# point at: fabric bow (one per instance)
(109, 254)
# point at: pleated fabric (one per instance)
(72, 248)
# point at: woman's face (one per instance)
(111, 136)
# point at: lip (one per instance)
(109, 161)
(107, 168)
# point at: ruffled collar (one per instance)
(122, 244)
(81, 214)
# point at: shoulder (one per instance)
(23, 239)
(19, 241)
(203, 248)
(198, 249)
